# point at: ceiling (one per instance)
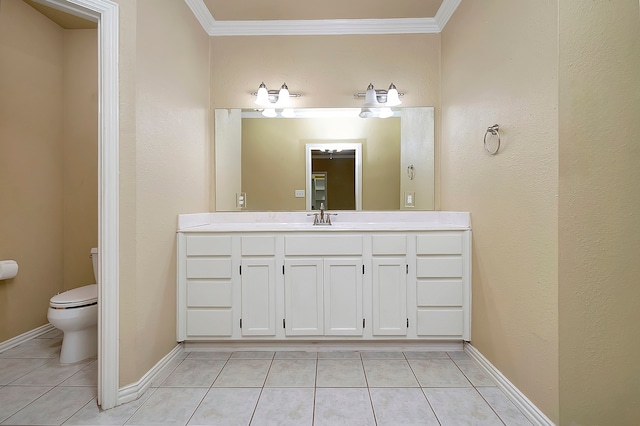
(327, 17)
(300, 17)
(65, 20)
(256, 10)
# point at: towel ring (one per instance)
(411, 172)
(493, 130)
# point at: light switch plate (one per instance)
(299, 193)
(410, 199)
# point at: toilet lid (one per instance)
(76, 297)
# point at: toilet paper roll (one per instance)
(8, 269)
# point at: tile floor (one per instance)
(259, 388)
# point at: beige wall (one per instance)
(326, 70)
(49, 144)
(164, 69)
(499, 65)
(599, 212)
(31, 158)
(273, 159)
(80, 152)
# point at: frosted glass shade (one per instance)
(370, 98)
(288, 113)
(385, 112)
(393, 98)
(283, 97)
(262, 97)
(269, 112)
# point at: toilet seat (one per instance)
(75, 298)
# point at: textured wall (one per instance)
(80, 152)
(326, 70)
(499, 65)
(31, 158)
(599, 224)
(166, 107)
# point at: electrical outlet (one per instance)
(299, 193)
(241, 200)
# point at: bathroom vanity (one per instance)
(369, 276)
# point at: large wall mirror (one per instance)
(284, 164)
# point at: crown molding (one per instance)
(323, 27)
(445, 12)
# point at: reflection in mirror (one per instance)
(333, 176)
(267, 159)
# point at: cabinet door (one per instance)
(389, 296)
(343, 297)
(258, 297)
(303, 297)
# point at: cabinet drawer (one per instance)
(209, 268)
(318, 245)
(209, 322)
(209, 294)
(450, 243)
(388, 245)
(258, 246)
(440, 322)
(439, 293)
(208, 245)
(439, 267)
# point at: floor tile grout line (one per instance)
(16, 412)
(153, 391)
(430, 406)
(490, 406)
(255, 409)
(208, 389)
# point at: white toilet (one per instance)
(75, 312)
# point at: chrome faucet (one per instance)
(322, 218)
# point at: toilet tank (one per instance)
(94, 259)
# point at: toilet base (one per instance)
(79, 345)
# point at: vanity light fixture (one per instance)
(275, 99)
(378, 103)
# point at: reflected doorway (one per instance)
(334, 176)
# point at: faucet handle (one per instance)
(315, 217)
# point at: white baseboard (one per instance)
(322, 346)
(523, 403)
(133, 391)
(11, 343)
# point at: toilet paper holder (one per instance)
(8, 269)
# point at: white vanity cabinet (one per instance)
(443, 290)
(206, 289)
(389, 285)
(324, 284)
(258, 286)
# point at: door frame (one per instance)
(105, 13)
(357, 147)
